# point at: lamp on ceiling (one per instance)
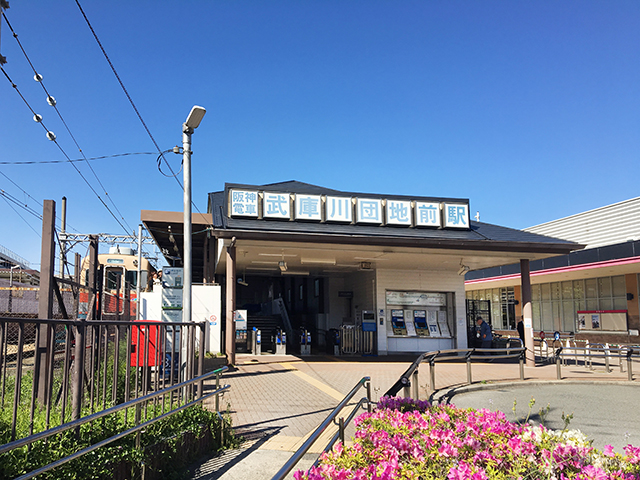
(282, 265)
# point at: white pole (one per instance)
(138, 289)
(186, 156)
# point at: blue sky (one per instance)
(531, 110)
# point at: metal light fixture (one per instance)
(283, 265)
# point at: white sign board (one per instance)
(416, 299)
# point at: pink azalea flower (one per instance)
(608, 451)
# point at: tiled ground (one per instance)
(277, 401)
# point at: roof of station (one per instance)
(479, 236)
(325, 246)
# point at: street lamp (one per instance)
(193, 120)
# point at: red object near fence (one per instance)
(146, 344)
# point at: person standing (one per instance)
(520, 328)
(486, 337)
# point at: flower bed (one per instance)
(407, 439)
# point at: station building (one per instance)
(591, 294)
(388, 268)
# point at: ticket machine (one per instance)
(397, 322)
(420, 321)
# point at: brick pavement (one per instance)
(277, 401)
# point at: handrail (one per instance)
(116, 408)
(467, 354)
(295, 458)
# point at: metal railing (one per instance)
(67, 367)
(138, 403)
(598, 354)
(408, 381)
(339, 435)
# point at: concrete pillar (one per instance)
(527, 312)
(230, 336)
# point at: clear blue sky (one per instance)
(529, 109)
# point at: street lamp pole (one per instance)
(193, 120)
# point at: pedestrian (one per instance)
(520, 328)
(486, 337)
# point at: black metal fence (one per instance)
(56, 371)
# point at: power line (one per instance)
(113, 69)
(2, 194)
(51, 136)
(24, 206)
(102, 157)
(53, 103)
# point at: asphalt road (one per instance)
(606, 413)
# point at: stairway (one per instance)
(269, 326)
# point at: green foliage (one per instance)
(162, 448)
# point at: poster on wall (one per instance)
(595, 321)
(442, 323)
(582, 321)
(432, 321)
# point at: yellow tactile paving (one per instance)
(319, 385)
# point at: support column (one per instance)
(230, 336)
(527, 312)
(45, 302)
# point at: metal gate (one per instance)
(475, 309)
(354, 341)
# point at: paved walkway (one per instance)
(277, 401)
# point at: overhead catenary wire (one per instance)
(124, 89)
(102, 157)
(38, 77)
(5, 198)
(53, 139)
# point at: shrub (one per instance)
(406, 439)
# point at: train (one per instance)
(119, 268)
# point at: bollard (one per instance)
(629, 363)
(558, 364)
(368, 385)
(522, 356)
(469, 379)
(432, 375)
(606, 358)
(416, 385)
(341, 429)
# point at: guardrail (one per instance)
(408, 381)
(342, 423)
(137, 403)
(606, 353)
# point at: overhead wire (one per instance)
(102, 157)
(5, 198)
(53, 139)
(53, 103)
(124, 89)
